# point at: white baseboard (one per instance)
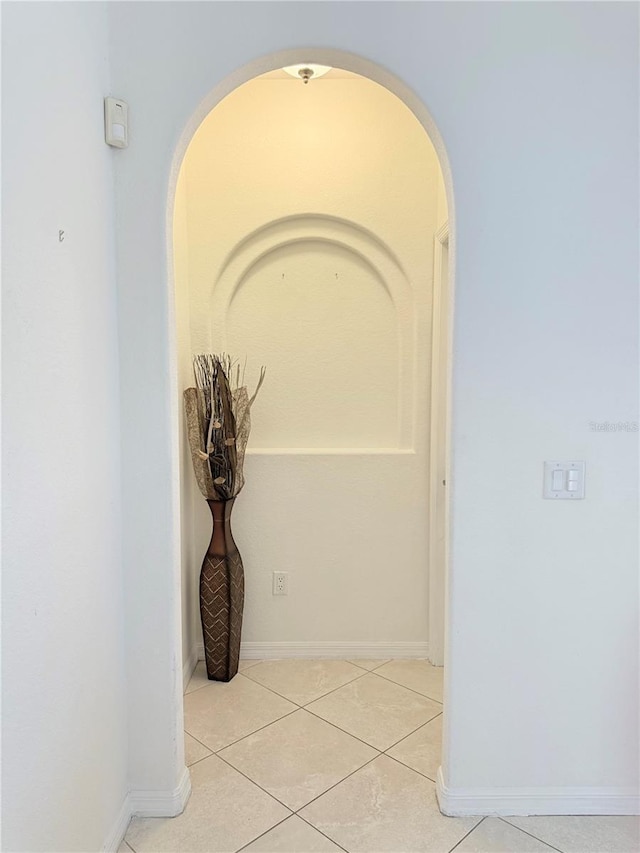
(190, 664)
(162, 803)
(116, 835)
(536, 801)
(336, 651)
(148, 804)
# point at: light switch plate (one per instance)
(564, 480)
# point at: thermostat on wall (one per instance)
(116, 122)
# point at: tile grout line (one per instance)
(333, 690)
(201, 744)
(264, 791)
(292, 812)
(339, 782)
(466, 835)
(284, 820)
(255, 663)
(244, 846)
(187, 692)
(288, 714)
(333, 725)
(374, 668)
(199, 761)
(404, 737)
(295, 811)
(322, 695)
(365, 672)
(368, 672)
(398, 684)
(402, 764)
(321, 794)
(366, 743)
(306, 708)
(332, 840)
(317, 716)
(266, 726)
(508, 822)
(212, 682)
(344, 731)
(270, 689)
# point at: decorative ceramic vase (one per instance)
(221, 596)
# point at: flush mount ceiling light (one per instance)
(306, 70)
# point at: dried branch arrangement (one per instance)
(218, 424)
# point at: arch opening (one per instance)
(235, 286)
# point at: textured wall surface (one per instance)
(64, 737)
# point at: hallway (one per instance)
(298, 756)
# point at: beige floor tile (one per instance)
(298, 758)
(302, 681)
(194, 750)
(418, 675)
(221, 713)
(198, 679)
(245, 664)
(225, 812)
(292, 836)
(376, 710)
(124, 847)
(387, 808)
(421, 750)
(584, 833)
(368, 664)
(496, 836)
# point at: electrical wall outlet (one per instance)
(281, 583)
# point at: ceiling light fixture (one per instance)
(306, 70)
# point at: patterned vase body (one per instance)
(221, 596)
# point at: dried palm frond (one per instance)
(218, 423)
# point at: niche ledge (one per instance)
(330, 451)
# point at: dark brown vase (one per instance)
(222, 596)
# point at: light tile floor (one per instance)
(303, 756)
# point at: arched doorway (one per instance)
(274, 237)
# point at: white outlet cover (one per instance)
(280, 583)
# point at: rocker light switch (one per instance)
(573, 480)
(564, 480)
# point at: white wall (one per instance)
(537, 106)
(190, 587)
(306, 244)
(442, 214)
(64, 738)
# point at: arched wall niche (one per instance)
(322, 56)
(375, 287)
(387, 498)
